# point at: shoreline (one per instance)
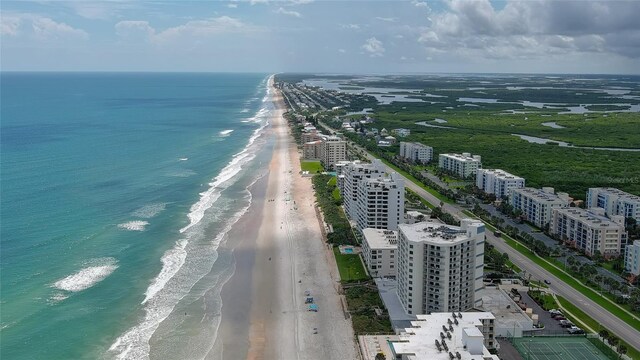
(279, 253)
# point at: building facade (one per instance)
(614, 202)
(440, 267)
(497, 182)
(312, 150)
(446, 336)
(462, 165)
(379, 251)
(380, 203)
(333, 149)
(416, 152)
(632, 258)
(351, 174)
(589, 231)
(537, 205)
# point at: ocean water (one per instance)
(116, 191)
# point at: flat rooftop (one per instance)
(433, 231)
(505, 310)
(378, 239)
(462, 157)
(540, 195)
(419, 340)
(590, 218)
(614, 191)
(501, 174)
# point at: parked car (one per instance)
(555, 312)
(566, 323)
(559, 317)
(575, 330)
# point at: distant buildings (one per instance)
(536, 205)
(497, 182)
(632, 258)
(462, 165)
(614, 202)
(589, 231)
(402, 132)
(310, 136)
(378, 251)
(312, 150)
(416, 152)
(440, 266)
(380, 203)
(447, 336)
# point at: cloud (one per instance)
(300, 2)
(39, 27)
(254, 2)
(420, 4)
(288, 12)
(386, 19)
(342, 51)
(232, 6)
(374, 47)
(350, 26)
(192, 31)
(534, 29)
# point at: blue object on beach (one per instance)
(313, 307)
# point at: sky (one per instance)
(444, 36)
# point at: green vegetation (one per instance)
(546, 301)
(333, 213)
(350, 266)
(312, 166)
(362, 301)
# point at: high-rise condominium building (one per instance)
(536, 205)
(333, 150)
(380, 203)
(440, 267)
(349, 177)
(416, 152)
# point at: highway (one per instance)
(620, 328)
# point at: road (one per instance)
(620, 328)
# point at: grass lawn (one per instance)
(417, 182)
(350, 266)
(312, 166)
(336, 193)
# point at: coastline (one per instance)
(279, 254)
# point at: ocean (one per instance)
(117, 190)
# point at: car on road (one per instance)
(547, 282)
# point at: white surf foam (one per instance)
(149, 211)
(185, 264)
(88, 276)
(225, 132)
(244, 110)
(136, 225)
(172, 261)
(184, 159)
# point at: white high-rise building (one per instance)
(537, 204)
(333, 150)
(440, 267)
(380, 203)
(352, 174)
(465, 336)
(416, 152)
(463, 165)
(379, 251)
(632, 258)
(589, 231)
(497, 182)
(614, 202)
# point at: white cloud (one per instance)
(374, 47)
(232, 6)
(9, 25)
(288, 12)
(254, 2)
(420, 4)
(342, 51)
(135, 29)
(350, 26)
(300, 2)
(386, 19)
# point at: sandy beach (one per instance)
(279, 254)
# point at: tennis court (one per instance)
(557, 348)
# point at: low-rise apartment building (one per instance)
(537, 205)
(440, 266)
(497, 182)
(632, 258)
(589, 231)
(614, 202)
(462, 165)
(379, 251)
(416, 152)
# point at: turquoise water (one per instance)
(116, 191)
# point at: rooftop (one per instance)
(614, 191)
(589, 217)
(543, 195)
(507, 313)
(501, 174)
(420, 339)
(380, 238)
(463, 157)
(433, 231)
